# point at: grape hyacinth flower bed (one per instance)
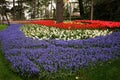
(33, 56)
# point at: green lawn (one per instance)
(2, 26)
(107, 71)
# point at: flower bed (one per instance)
(43, 32)
(33, 56)
(78, 24)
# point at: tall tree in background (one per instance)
(59, 11)
(31, 8)
(21, 11)
(107, 10)
(34, 9)
(81, 8)
(17, 10)
(3, 11)
(91, 10)
(14, 10)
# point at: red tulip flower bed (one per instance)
(78, 24)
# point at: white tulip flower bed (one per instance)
(43, 32)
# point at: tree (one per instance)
(107, 10)
(59, 11)
(37, 8)
(17, 11)
(81, 7)
(91, 10)
(21, 9)
(3, 11)
(13, 10)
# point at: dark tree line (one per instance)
(107, 10)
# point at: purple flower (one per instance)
(31, 56)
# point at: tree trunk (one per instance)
(91, 9)
(51, 10)
(13, 9)
(21, 11)
(34, 9)
(59, 11)
(81, 8)
(38, 6)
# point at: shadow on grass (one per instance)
(107, 71)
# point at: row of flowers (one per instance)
(33, 56)
(42, 32)
(78, 24)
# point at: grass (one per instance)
(2, 26)
(107, 71)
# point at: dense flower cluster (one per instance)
(32, 56)
(42, 32)
(12, 40)
(79, 24)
